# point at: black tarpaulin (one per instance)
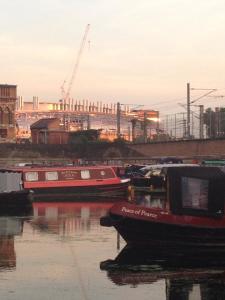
(196, 190)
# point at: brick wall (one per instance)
(182, 148)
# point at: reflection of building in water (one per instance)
(67, 218)
(9, 227)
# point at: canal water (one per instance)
(59, 251)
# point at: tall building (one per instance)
(8, 96)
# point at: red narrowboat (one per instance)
(57, 183)
(188, 216)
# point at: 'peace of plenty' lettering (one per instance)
(139, 212)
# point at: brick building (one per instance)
(48, 131)
(8, 96)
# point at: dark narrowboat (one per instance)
(188, 217)
(13, 196)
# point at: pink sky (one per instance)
(140, 52)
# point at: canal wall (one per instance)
(190, 148)
(15, 153)
(11, 153)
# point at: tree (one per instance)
(83, 136)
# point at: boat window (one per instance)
(103, 173)
(85, 174)
(51, 175)
(194, 193)
(31, 176)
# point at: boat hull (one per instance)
(13, 203)
(107, 191)
(166, 232)
(170, 237)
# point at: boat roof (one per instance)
(214, 162)
(160, 166)
(57, 168)
(2, 170)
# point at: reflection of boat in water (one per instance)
(187, 278)
(68, 217)
(190, 218)
(12, 220)
(56, 183)
(9, 228)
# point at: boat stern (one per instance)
(106, 221)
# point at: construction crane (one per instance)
(66, 94)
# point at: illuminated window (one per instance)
(194, 193)
(31, 176)
(51, 175)
(85, 174)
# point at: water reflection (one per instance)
(9, 228)
(12, 217)
(68, 217)
(186, 278)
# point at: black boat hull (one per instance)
(13, 203)
(167, 237)
(79, 192)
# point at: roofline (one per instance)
(8, 85)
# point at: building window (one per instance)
(51, 175)
(6, 116)
(31, 176)
(85, 174)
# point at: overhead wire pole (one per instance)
(189, 103)
(67, 94)
(188, 111)
(145, 128)
(201, 109)
(118, 115)
(201, 121)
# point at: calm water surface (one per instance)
(59, 252)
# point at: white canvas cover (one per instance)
(10, 181)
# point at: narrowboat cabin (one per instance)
(188, 217)
(58, 183)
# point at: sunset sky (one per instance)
(140, 52)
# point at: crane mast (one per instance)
(66, 95)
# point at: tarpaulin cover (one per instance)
(196, 190)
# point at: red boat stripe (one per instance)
(72, 183)
(163, 216)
